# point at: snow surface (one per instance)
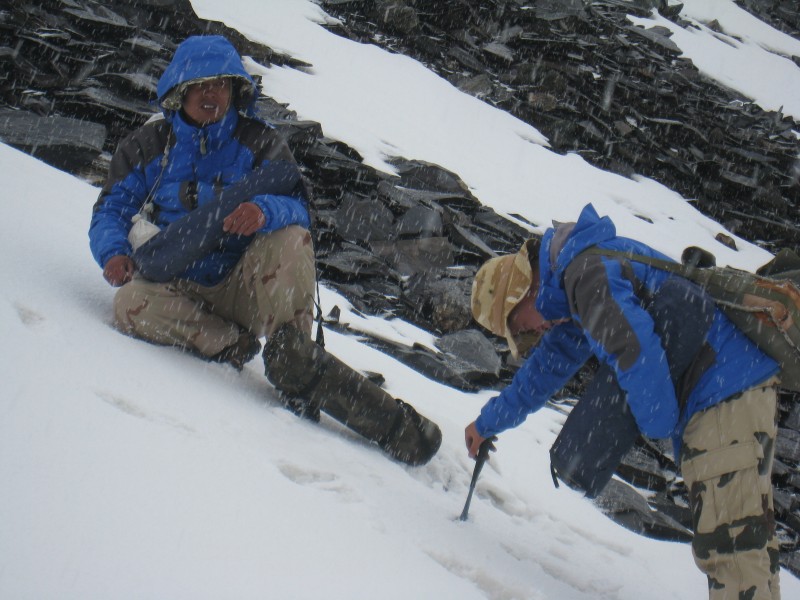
(135, 471)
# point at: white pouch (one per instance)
(143, 229)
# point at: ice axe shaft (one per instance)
(483, 454)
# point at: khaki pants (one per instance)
(272, 284)
(726, 461)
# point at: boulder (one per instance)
(69, 144)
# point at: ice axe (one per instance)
(483, 454)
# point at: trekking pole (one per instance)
(483, 454)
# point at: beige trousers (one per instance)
(272, 284)
(726, 462)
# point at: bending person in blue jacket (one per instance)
(719, 407)
(258, 281)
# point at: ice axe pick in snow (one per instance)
(483, 454)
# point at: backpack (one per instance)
(600, 429)
(764, 305)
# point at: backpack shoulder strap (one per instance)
(658, 263)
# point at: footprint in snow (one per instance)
(484, 579)
(28, 316)
(130, 408)
(321, 480)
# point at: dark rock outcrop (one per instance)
(615, 93)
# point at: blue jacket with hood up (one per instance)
(180, 166)
(619, 332)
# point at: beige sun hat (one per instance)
(498, 287)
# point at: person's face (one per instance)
(207, 102)
(524, 318)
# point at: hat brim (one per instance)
(499, 286)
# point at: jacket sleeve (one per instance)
(621, 334)
(279, 210)
(554, 360)
(120, 199)
(282, 211)
(134, 166)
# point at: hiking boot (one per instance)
(300, 407)
(413, 439)
(316, 380)
(290, 363)
(241, 352)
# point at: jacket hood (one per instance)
(560, 245)
(207, 56)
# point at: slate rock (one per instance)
(787, 445)
(98, 16)
(641, 469)
(396, 15)
(361, 221)
(793, 419)
(657, 35)
(132, 82)
(421, 175)
(624, 505)
(467, 242)
(499, 50)
(354, 263)
(665, 503)
(472, 354)
(372, 296)
(66, 143)
(157, 3)
(780, 469)
(479, 86)
(441, 303)
(420, 222)
(147, 45)
(423, 360)
(106, 101)
(784, 502)
(397, 196)
(415, 256)
(555, 10)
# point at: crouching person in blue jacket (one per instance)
(258, 281)
(712, 392)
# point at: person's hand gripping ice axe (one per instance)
(474, 440)
(478, 448)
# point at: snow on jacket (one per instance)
(606, 319)
(181, 165)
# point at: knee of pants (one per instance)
(132, 301)
(286, 255)
(127, 301)
(289, 242)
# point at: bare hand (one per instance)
(119, 270)
(473, 439)
(245, 219)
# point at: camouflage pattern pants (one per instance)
(726, 461)
(272, 284)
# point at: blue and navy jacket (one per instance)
(607, 319)
(180, 166)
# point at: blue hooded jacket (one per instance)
(606, 319)
(178, 166)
